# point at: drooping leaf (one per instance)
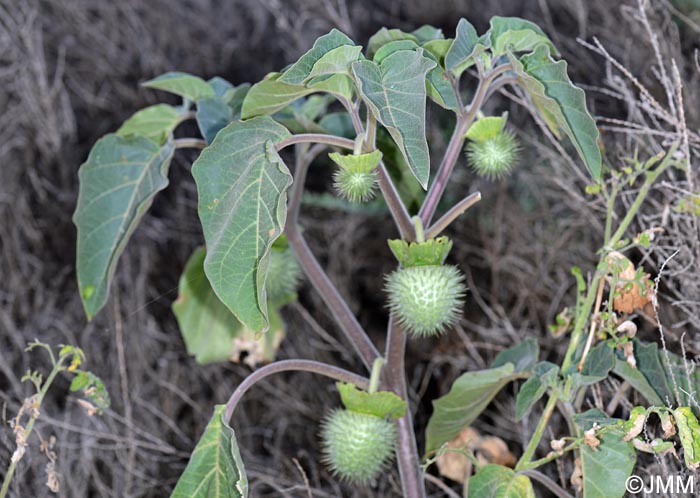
(606, 468)
(562, 105)
(213, 114)
(269, 96)
(380, 404)
(156, 123)
(117, 185)
(301, 69)
(689, 434)
(468, 397)
(517, 35)
(523, 355)
(209, 329)
(438, 86)
(242, 185)
(497, 481)
(395, 93)
(336, 61)
(185, 85)
(384, 36)
(215, 469)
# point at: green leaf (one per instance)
(607, 467)
(522, 356)
(438, 86)
(117, 185)
(215, 469)
(336, 61)
(637, 380)
(338, 123)
(300, 70)
(689, 434)
(599, 362)
(468, 397)
(339, 85)
(220, 85)
(380, 404)
(156, 123)
(516, 35)
(235, 97)
(544, 375)
(242, 185)
(497, 481)
(561, 104)
(182, 84)
(269, 96)
(213, 114)
(428, 33)
(439, 49)
(394, 46)
(395, 93)
(594, 416)
(209, 329)
(384, 36)
(464, 49)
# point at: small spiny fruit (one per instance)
(494, 157)
(357, 446)
(426, 299)
(283, 275)
(356, 179)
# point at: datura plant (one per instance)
(363, 112)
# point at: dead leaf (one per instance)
(577, 476)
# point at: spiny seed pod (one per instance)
(495, 156)
(426, 299)
(355, 178)
(355, 186)
(283, 275)
(357, 447)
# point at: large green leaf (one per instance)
(271, 95)
(545, 374)
(209, 329)
(599, 362)
(215, 469)
(516, 35)
(637, 380)
(242, 185)
(561, 104)
(497, 481)
(468, 397)
(182, 84)
(607, 467)
(395, 93)
(465, 48)
(384, 36)
(156, 123)
(523, 355)
(301, 69)
(117, 185)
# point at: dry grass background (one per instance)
(69, 72)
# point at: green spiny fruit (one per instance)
(357, 447)
(355, 186)
(426, 299)
(494, 157)
(283, 275)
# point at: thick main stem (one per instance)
(406, 451)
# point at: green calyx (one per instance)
(283, 274)
(486, 128)
(431, 252)
(426, 299)
(356, 179)
(494, 157)
(382, 404)
(357, 447)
